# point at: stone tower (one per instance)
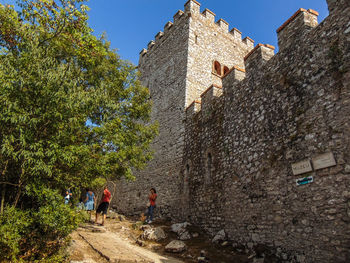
(191, 54)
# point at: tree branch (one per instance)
(58, 31)
(5, 169)
(8, 183)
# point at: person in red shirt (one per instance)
(152, 204)
(103, 206)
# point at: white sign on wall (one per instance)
(301, 167)
(323, 161)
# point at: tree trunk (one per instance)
(18, 195)
(112, 191)
(3, 190)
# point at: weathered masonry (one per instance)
(252, 142)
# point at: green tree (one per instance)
(70, 109)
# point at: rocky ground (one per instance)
(126, 240)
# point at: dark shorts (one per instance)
(103, 207)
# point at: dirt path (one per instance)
(80, 251)
(113, 243)
(119, 241)
(116, 249)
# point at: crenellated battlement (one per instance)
(150, 45)
(288, 33)
(192, 7)
(223, 25)
(259, 49)
(235, 74)
(193, 108)
(209, 96)
(260, 54)
(234, 68)
(301, 22)
(248, 42)
(192, 11)
(205, 101)
(178, 15)
(159, 35)
(285, 24)
(209, 15)
(168, 26)
(215, 91)
(236, 34)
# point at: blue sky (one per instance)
(130, 25)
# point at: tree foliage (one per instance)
(71, 110)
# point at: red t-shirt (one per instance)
(152, 199)
(106, 196)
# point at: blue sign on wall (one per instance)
(305, 180)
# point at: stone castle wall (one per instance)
(241, 136)
(289, 107)
(165, 76)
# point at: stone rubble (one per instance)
(176, 246)
(181, 230)
(220, 236)
(154, 234)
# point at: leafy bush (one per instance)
(14, 225)
(40, 232)
(98, 183)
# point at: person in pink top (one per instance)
(103, 206)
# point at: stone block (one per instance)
(176, 246)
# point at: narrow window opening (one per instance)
(209, 165)
(186, 179)
(196, 39)
(187, 168)
(187, 173)
(217, 68)
(226, 70)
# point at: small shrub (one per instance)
(14, 225)
(38, 234)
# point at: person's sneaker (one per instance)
(149, 221)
